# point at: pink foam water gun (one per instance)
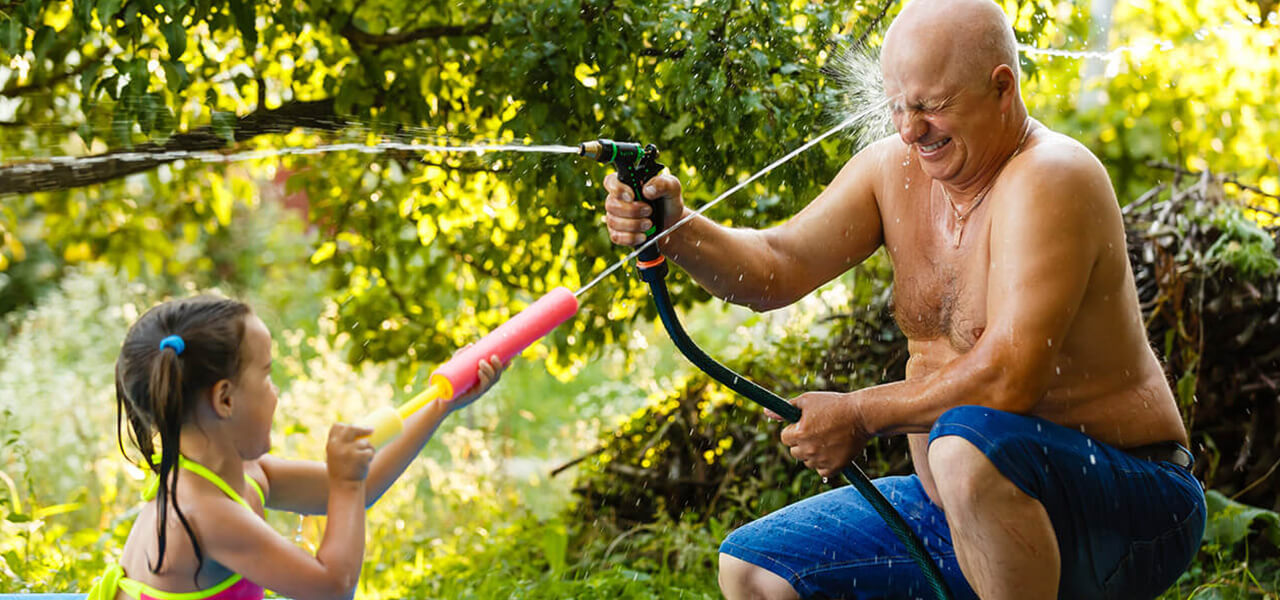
(459, 374)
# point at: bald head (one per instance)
(960, 40)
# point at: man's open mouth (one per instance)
(934, 146)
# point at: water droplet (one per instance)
(1093, 460)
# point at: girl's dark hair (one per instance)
(158, 389)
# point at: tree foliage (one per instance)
(427, 250)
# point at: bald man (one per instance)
(1050, 457)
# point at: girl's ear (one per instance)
(220, 398)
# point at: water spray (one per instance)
(635, 166)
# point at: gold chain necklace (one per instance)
(960, 217)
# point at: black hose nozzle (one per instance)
(635, 164)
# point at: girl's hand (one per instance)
(348, 452)
(489, 370)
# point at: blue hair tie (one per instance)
(174, 342)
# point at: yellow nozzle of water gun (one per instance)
(387, 422)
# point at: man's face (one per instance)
(948, 122)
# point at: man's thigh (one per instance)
(1126, 527)
(834, 545)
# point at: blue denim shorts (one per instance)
(1126, 527)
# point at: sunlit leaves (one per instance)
(442, 247)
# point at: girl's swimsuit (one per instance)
(234, 587)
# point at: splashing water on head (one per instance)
(856, 73)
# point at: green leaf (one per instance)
(18, 518)
(107, 10)
(43, 42)
(165, 121)
(83, 10)
(1230, 522)
(31, 12)
(176, 37)
(676, 129)
(110, 84)
(13, 35)
(224, 125)
(555, 545)
(242, 11)
(122, 128)
(176, 76)
(89, 77)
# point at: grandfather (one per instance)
(1049, 453)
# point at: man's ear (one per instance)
(1006, 84)
(220, 398)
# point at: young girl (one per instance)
(196, 374)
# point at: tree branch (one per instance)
(359, 37)
(1156, 164)
(884, 9)
(50, 175)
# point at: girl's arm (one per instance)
(301, 486)
(244, 543)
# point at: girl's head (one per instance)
(201, 364)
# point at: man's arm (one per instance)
(1046, 240)
(771, 268)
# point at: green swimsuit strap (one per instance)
(201, 470)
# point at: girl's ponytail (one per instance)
(165, 392)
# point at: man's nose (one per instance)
(911, 128)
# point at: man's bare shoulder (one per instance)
(1058, 171)
(1055, 159)
(886, 151)
(1059, 190)
(874, 164)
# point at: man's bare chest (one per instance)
(940, 289)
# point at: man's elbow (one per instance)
(1015, 395)
(764, 305)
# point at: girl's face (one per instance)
(256, 394)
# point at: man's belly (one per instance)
(1125, 408)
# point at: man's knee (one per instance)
(964, 476)
(741, 579)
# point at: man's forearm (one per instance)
(912, 406)
(736, 265)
